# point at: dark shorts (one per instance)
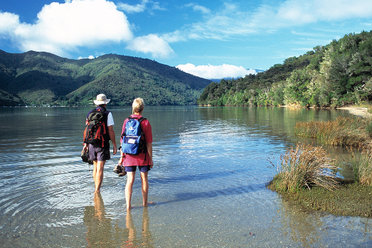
(99, 153)
(144, 168)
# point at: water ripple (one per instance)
(211, 168)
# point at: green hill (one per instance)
(337, 74)
(38, 78)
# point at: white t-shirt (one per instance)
(110, 120)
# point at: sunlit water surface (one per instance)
(209, 183)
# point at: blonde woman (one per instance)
(143, 159)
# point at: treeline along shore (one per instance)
(334, 75)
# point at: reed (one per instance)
(304, 167)
(362, 167)
(369, 129)
(344, 131)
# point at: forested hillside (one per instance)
(37, 78)
(337, 74)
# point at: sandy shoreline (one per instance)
(359, 111)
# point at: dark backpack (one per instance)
(95, 130)
(133, 139)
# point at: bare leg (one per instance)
(98, 174)
(129, 189)
(94, 170)
(145, 188)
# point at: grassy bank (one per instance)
(348, 200)
(350, 132)
(309, 177)
(344, 131)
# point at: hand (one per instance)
(114, 150)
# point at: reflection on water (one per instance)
(101, 232)
(135, 240)
(211, 168)
(301, 226)
(316, 229)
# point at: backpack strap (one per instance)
(127, 119)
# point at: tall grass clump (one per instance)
(302, 167)
(362, 167)
(344, 131)
(369, 129)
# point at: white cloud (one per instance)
(89, 57)
(197, 7)
(8, 22)
(232, 20)
(152, 44)
(62, 27)
(319, 10)
(216, 71)
(141, 7)
(297, 12)
(133, 8)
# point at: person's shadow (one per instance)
(145, 240)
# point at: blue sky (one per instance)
(209, 38)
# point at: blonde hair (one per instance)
(138, 105)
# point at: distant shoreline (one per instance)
(359, 111)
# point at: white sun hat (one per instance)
(101, 99)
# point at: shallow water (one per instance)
(208, 182)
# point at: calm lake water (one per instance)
(208, 182)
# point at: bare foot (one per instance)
(149, 204)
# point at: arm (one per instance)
(112, 137)
(85, 145)
(122, 155)
(148, 136)
(149, 152)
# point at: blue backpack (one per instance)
(133, 140)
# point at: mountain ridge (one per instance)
(41, 78)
